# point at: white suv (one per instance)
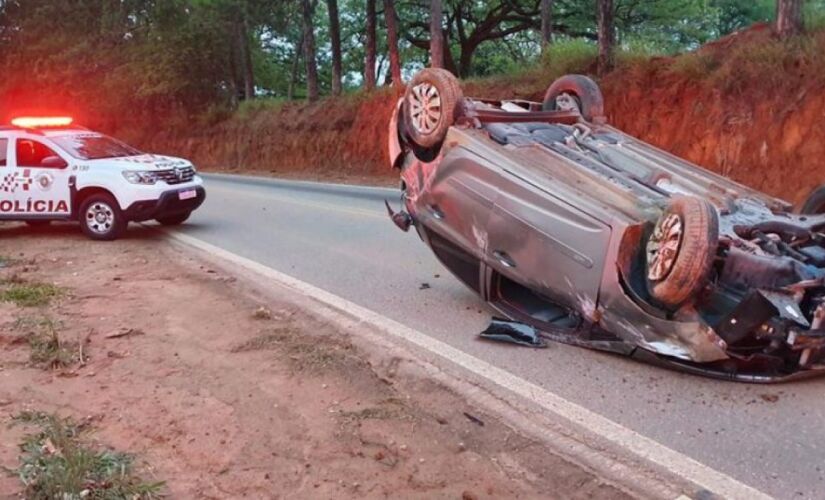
(52, 170)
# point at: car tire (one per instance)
(38, 223)
(680, 252)
(101, 218)
(174, 220)
(431, 105)
(815, 203)
(585, 93)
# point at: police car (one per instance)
(52, 170)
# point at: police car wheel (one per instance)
(174, 220)
(38, 223)
(100, 218)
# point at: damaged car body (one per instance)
(597, 239)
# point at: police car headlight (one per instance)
(140, 177)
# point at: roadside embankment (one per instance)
(748, 106)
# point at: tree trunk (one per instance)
(788, 18)
(546, 24)
(436, 35)
(249, 70)
(296, 60)
(607, 36)
(335, 38)
(239, 60)
(392, 42)
(369, 56)
(309, 51)
(465, 60)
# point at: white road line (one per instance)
(681, 465)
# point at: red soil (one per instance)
(747, 106)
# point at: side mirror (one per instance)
(53, 162)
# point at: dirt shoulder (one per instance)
(222, 393)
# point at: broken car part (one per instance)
(515, 333)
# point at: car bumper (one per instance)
(168, 204)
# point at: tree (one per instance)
(436, 34)
(788, 18)
(296, 60)
(470, 23)
(607, 36)
(335, 41)
(390, 17)
(370, 55)
(546, 23)
(733, 15)
(247, 72)
(307, 9)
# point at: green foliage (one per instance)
(57, 463)
(570, 56)
(733, 15)
(47, 349)
(133, 62)
(29, 294)
(814, 14)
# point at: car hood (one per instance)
(143, 162)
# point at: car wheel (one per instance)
(100, 218)
(815, 204)
(174, 220)
(38, 223)
(681, 250)
(576, 93)
(431, 105)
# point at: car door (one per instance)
(550, 246)
(6, 195)
(41, 180)
(455, 209)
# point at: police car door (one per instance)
(6, 196)
(41, 184)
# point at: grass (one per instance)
(391, 411)
(57, 462)
(249, 108)
(570, 56)
(47, 349)
(694, 65)
(29, 294)
(304, 352)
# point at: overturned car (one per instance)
(594, 238)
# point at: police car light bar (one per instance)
(42, 121)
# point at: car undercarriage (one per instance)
(591, 237)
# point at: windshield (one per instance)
(94, 146)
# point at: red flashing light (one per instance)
(42, 121)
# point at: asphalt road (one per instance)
(339, 238)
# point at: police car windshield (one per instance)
(94, 146)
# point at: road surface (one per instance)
(339, 238)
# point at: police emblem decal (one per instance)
(44, 181)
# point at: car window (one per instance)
(94, 146)
(31, 153)
(4, 151)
